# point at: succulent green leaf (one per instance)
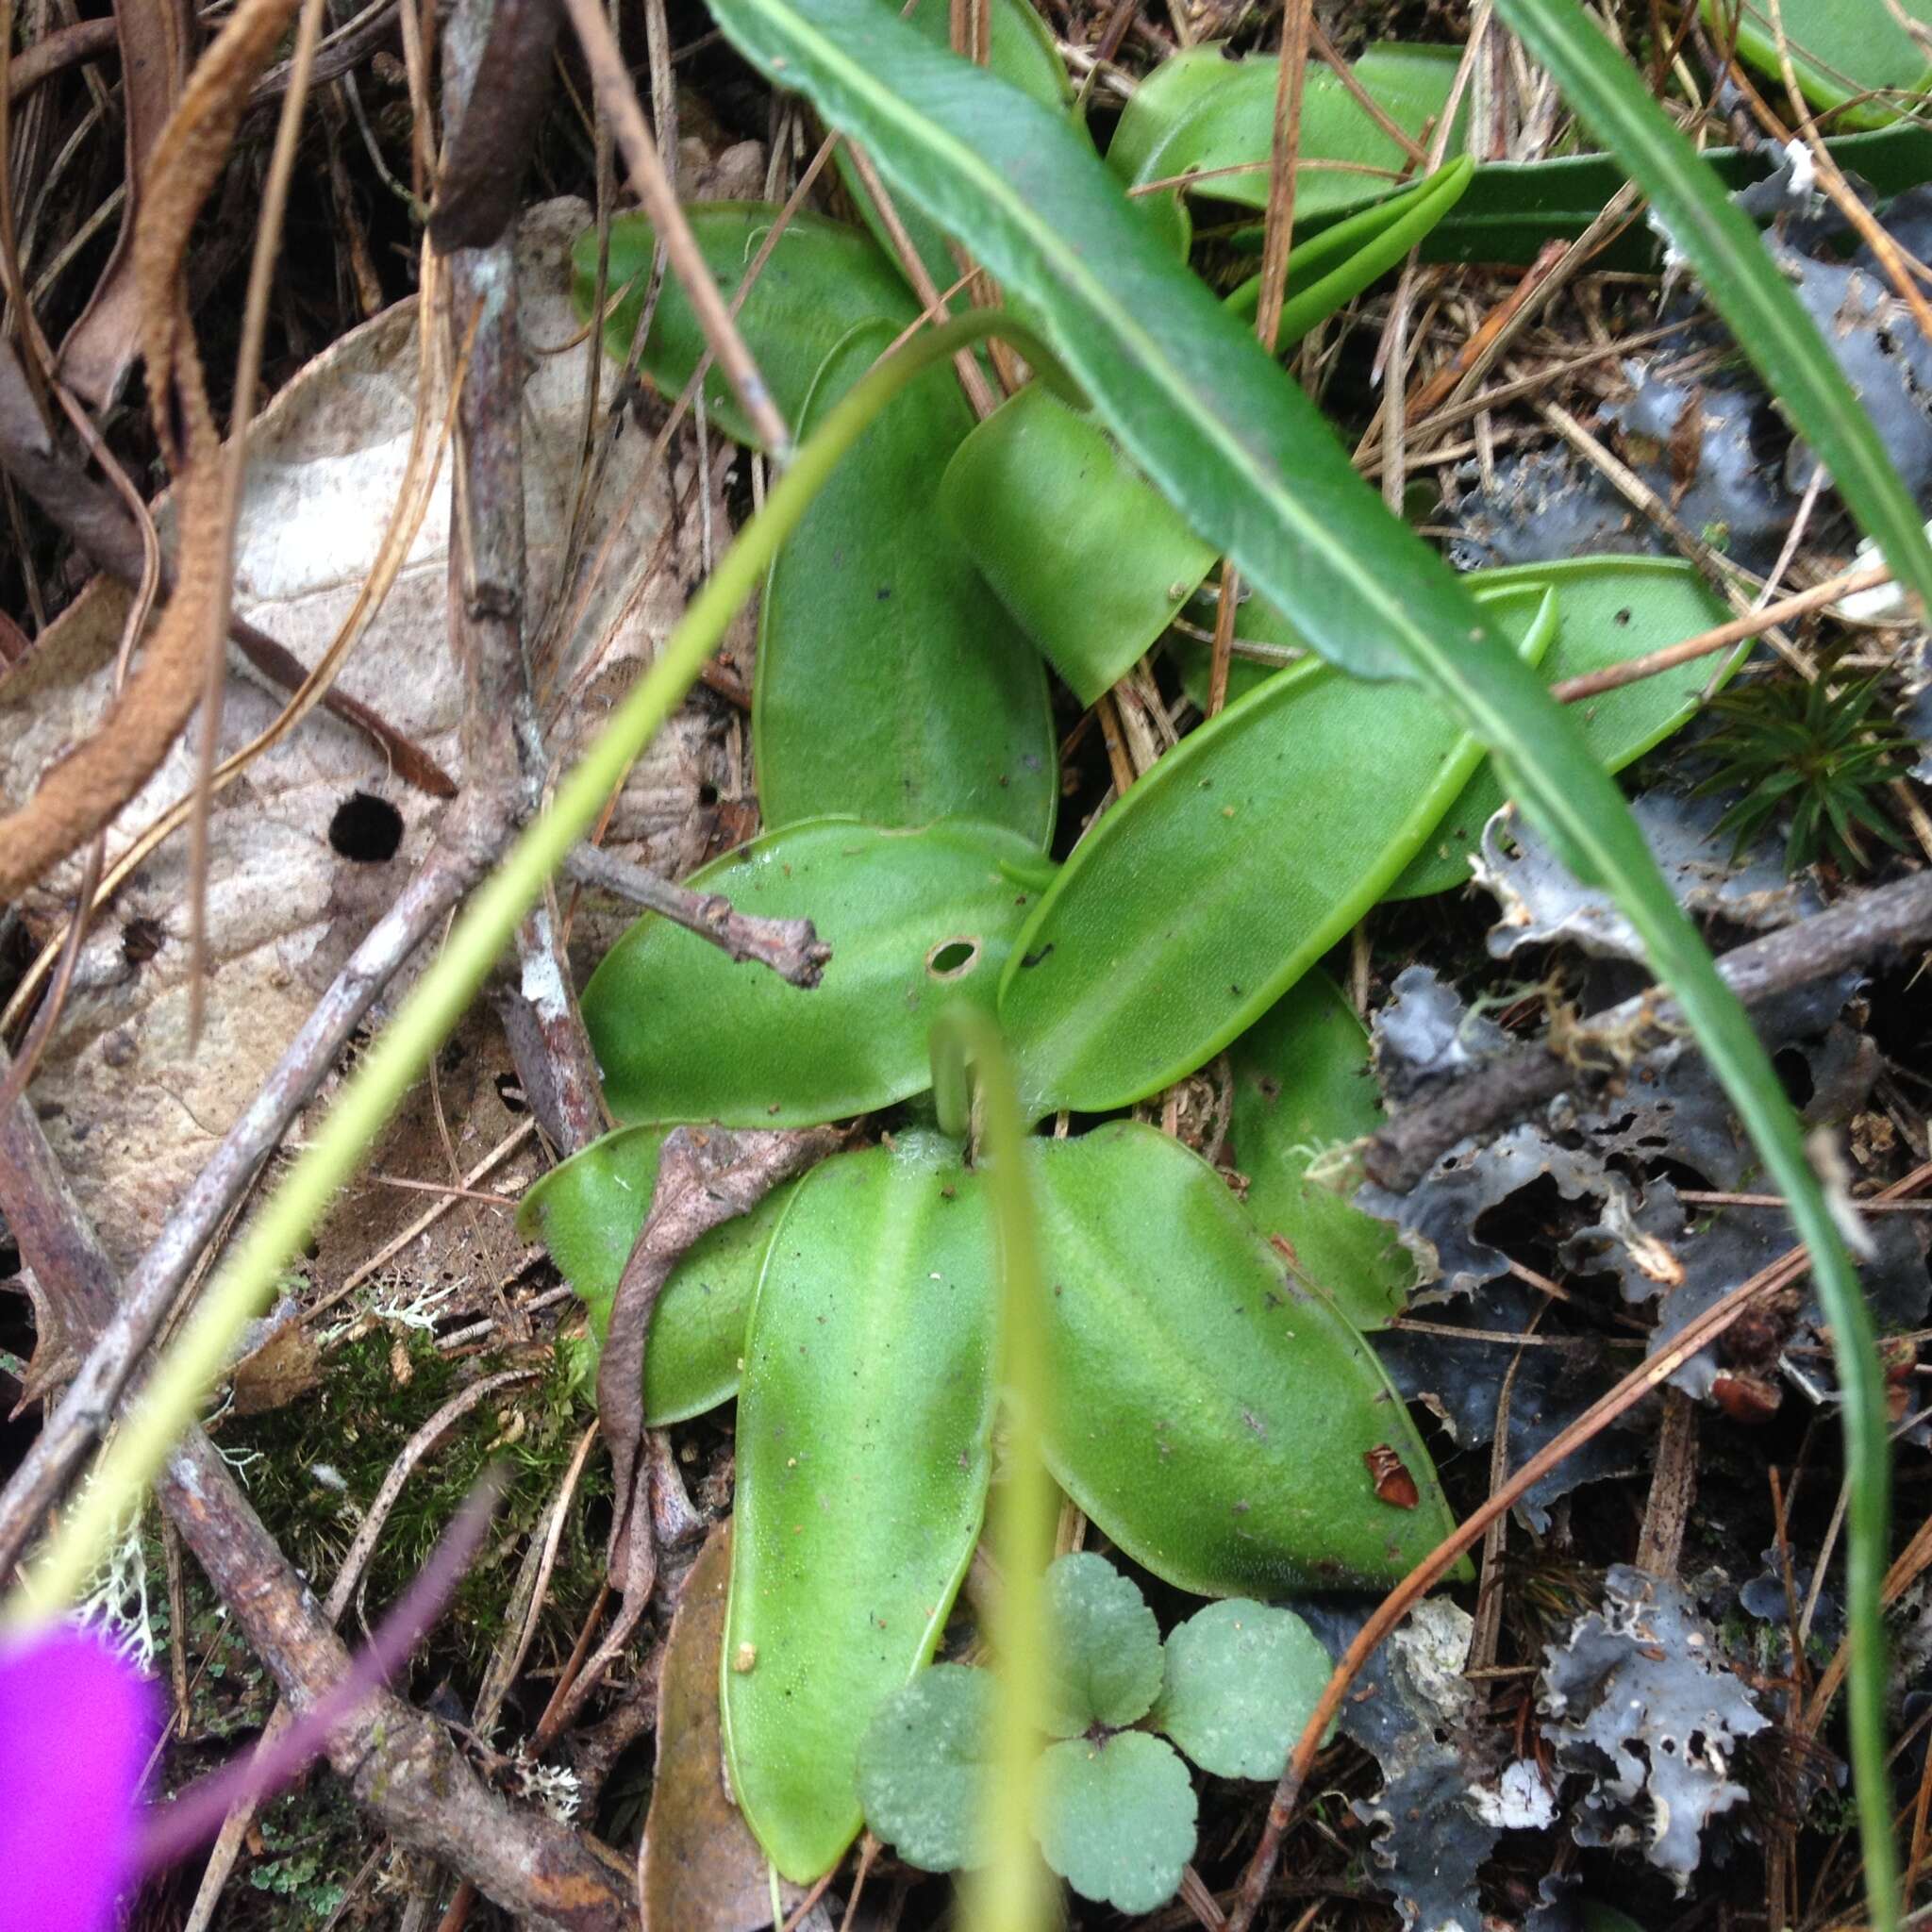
(587, 1212)
(1331, 269)
(1201, 113)
(1226, 871)
(1608, 610)
(915, 921)
(863, 1427)
(1215, 1420)
(1115, 1818)
(924, 1764)
(822, 280)
(1302, 1088)
(1842, 50)
(1102, 1647)
(875, 622)
(1092, 563)
(1243, 1678)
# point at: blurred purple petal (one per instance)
(77, 1721)
(172, 1831)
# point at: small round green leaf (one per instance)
(923, 1768)
(1243, 1678)
(1104, 1652)
(1116, 1820)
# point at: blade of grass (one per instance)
(1744, 286)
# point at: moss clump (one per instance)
(313, 1467)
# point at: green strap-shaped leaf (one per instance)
(1226, 871)
(863, 1453)
(1247, 458)
(891, 683)
(1842, 50)
(1224, 1426)
(1021, 52)
(587, 1212)
(915, 921)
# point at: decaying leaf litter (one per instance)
(1521, 401)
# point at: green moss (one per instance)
(313, 1467)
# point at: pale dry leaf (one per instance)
(132, 1112)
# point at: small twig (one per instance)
(791, 947)
(1510, 1086)
(400, 1763)
(468, 841)
(1802, 604)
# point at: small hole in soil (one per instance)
(366, 828)
(510, 1089)
(951, 957)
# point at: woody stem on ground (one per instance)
(1858, 931)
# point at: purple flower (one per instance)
(77, 1722)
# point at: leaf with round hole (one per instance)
(891, 683)
(1301, 1084)
(915, 920)
(1214, 1418)
(1226, 871)
(822, 281)
(864, 1454)
(587, 1212)
(1090, 561)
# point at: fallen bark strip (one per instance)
(1858, 931)
(400, 1763)
(706, 1176)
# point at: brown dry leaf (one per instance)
(287, 1366)
(699, 1868)
(131, 1113)
(156, 39)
